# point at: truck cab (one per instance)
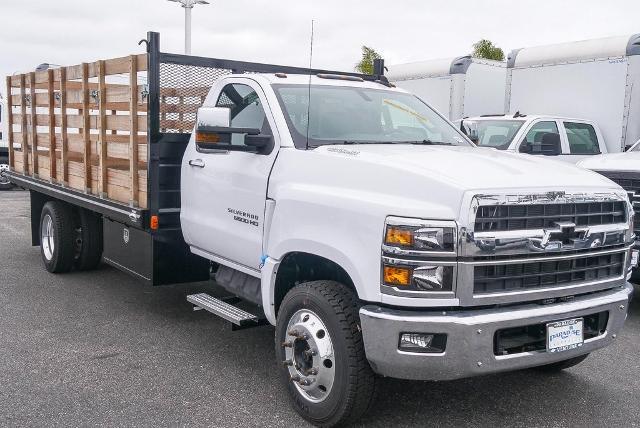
(565, 139)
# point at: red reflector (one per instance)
(153, 223)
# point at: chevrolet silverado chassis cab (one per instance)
(374, 236)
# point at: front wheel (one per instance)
(319, 345)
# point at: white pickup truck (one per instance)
(363, 225)
(623, 169)
(566, 139)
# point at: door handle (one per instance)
(197, 162)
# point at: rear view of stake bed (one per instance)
(344, 211)
(595, 80)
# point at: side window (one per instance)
(537, 131)
(582, 138)
(246, 107)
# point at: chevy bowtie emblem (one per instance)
(564, 233)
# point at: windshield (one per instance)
(352, 115)
(492, 133)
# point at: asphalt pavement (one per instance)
(100, 348)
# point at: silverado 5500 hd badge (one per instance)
(244, 217)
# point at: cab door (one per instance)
(224, 191)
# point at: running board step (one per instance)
(224, 310)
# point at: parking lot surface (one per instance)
(100, 348)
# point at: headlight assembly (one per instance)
(413, 236)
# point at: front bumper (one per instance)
(470, 336)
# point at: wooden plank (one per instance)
(133, 131)
(23, 127)
(10, 125)
(52, 128)
(63, 125)
(86, 127)
(102, 132)
(33, 129)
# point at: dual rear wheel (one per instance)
(69, 238)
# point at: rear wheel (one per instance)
(562, 365)
(57, 237)
(319, 344)
(88, 242)
(5, 184)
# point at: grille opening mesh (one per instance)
(531, 275)
(540, 216)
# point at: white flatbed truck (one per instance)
(364, 226)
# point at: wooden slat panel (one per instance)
(52, 127)
(133, 128)
(86, 127)
(23, 127)
(33, 129)
(102, 129)
(63, 125)
(10, 124)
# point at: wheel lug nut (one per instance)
(295, 378)
(304, 336)
(287, 363)
(293, 332)
(305, 382)
(310, 353)
(287, 344)
(312, 372)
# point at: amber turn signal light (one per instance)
(396, 275)
(153, 222)
(207, 138)
(398, 236)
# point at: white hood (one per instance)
(627, 161)
(468, 168)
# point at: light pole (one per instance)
(188, 5)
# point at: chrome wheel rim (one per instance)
(309, 356)
(48, 245)
(4, 168)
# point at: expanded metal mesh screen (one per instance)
(183, 89)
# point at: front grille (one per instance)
(629, 181)
(540, 216)
(547, 274)
(530, 338)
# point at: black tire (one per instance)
(89, 247)
(562, 365)
(4, 165)
(60, 256)
(354, 384)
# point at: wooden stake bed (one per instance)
(83, 127)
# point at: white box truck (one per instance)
(597, 80)
(456, 87)
(349, 214)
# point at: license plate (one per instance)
(565, 335)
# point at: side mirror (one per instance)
(549, 146)
(214, 117)
(214, 133)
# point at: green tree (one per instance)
(365, 65)
(486, 49)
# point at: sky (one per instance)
(69, 32)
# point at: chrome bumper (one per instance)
(470, 336)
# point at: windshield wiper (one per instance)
(429, 143)
(368, 142)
